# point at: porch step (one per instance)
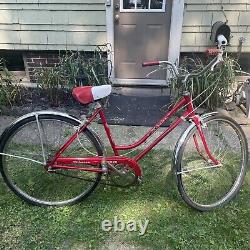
(146, 91)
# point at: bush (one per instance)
(212, 89)
(74, 69)
(10, 90)
(52, 81)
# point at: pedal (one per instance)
(104, 168)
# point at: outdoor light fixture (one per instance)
(220, 33)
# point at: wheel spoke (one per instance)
(197, 169)
(23, 158)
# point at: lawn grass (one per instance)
(172, 224)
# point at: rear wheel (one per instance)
(23, 154)
(202, 184)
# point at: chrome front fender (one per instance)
(185, 134)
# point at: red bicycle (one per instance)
(51, 158)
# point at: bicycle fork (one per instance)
(198, 123)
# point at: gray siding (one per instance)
(200, 15)
(52, 24)
(81, 24)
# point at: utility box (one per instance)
(220, 28)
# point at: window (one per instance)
(13, 60)
(143, 5)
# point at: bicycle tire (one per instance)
(197, 185)
(16, 138)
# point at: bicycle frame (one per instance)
(59, 162)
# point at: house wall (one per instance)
(81, 24)
(200, 15)
(52, 24)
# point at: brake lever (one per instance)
(152, 72)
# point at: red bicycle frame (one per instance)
(59, 162)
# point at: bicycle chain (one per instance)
(90, 180)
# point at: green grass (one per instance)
(172, 224)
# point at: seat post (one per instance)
(92, 107)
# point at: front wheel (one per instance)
(33, 140)
(201, 183)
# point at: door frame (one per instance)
(173, 48)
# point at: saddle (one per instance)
(89, 94)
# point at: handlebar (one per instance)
(161, 63)
(150, 63)
(213, 52)
(210, 66)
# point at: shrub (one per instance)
(10, 90)
(212, 89)
(74, 69)
(51, 80)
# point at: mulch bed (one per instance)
(34, 99)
